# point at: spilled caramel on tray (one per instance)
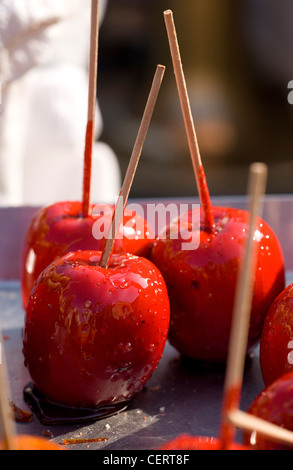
(83, 441)
(19, 415)
(52, 413)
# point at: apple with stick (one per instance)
(67, 225)
(263, 425)
(97, 322)
(238, 336)
(202, 281)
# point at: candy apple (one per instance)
(201, 281)
(94, 336)
(276, 343)
(187, 442)
(275, 405)
(60, 228)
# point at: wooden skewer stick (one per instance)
(242, 305)
(248, 422)
(7, 430)
(188, 120)
(92, 95)
(132, 166)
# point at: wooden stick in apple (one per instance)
(132, 166)
(92, 92)
(242, 307)
(189, 123)
(68, 225)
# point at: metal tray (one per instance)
(182, 396)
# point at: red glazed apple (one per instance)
(275, 405)
(93, 336)
(187, 442)
(201, 282)
(61, 228)
(276, 343)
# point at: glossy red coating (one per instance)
(275, 405)
(61, 228)
(187, 442)
(94, 336)
(276, 343)
(201, 282)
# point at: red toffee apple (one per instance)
(94, 336)
(276, 343)
(275, 405)
(61, 228)
(201, 282)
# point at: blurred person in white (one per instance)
(44, 53)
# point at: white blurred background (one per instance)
(237, 58)
(44, 76)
